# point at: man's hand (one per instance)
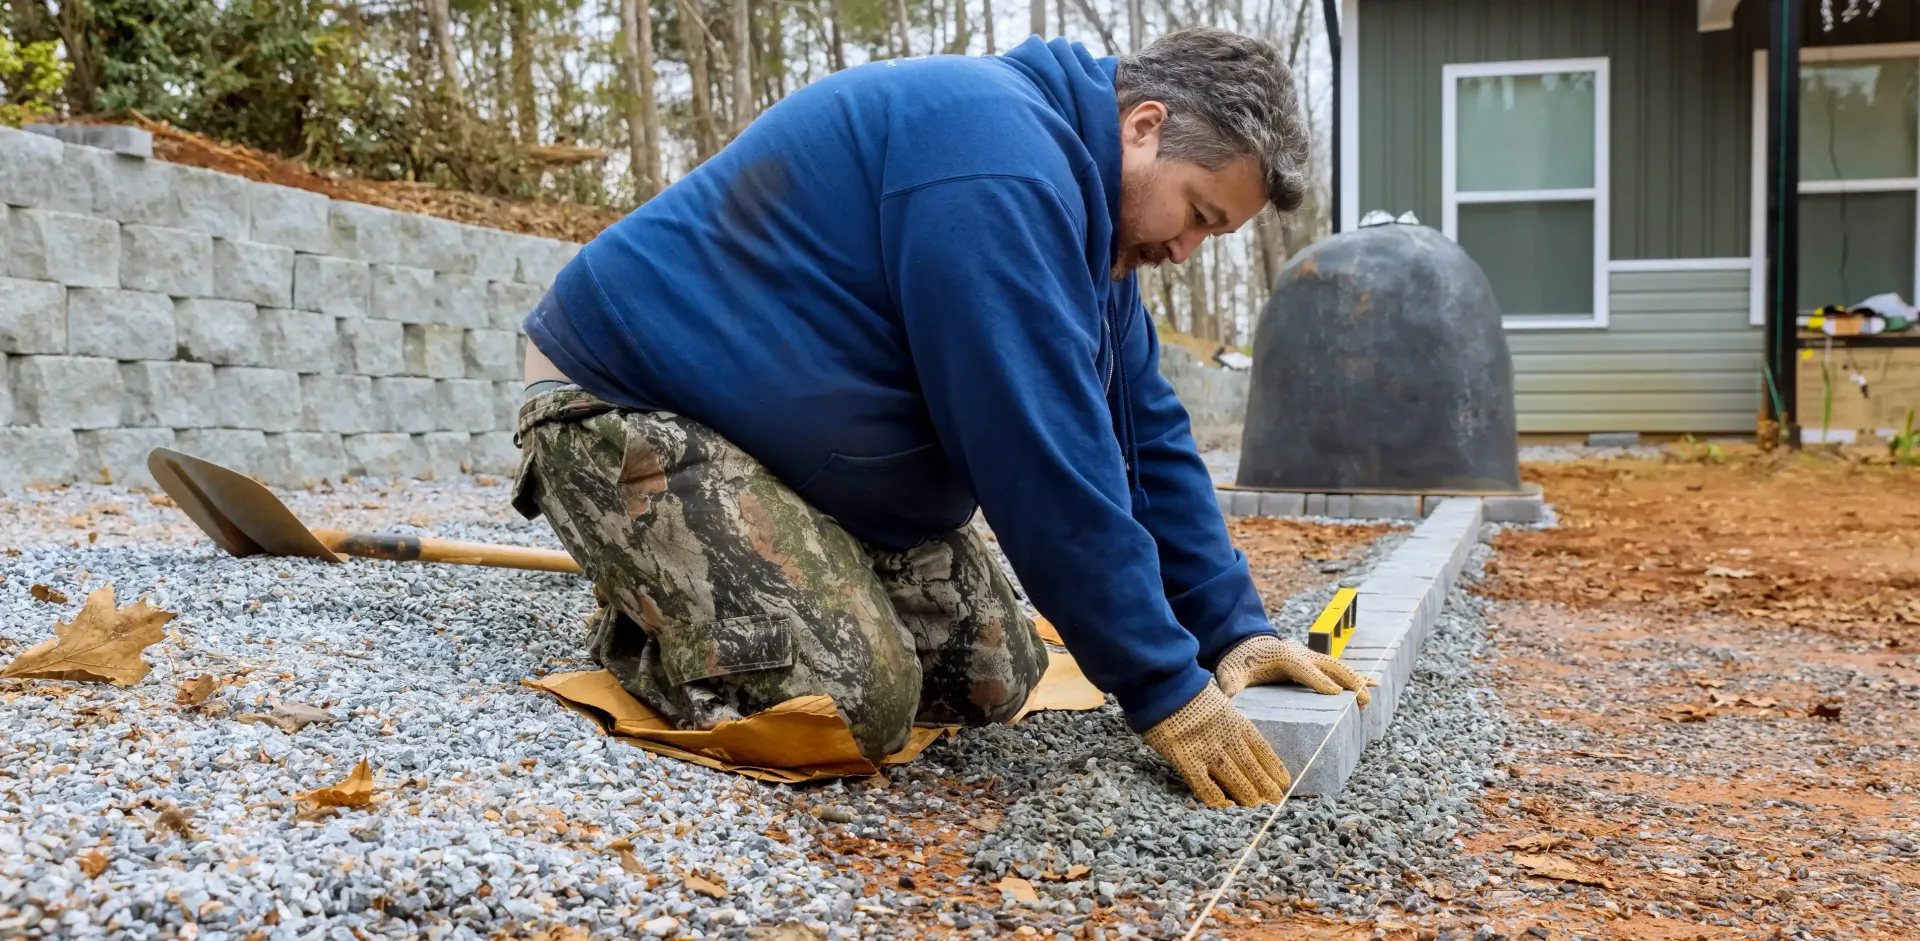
(1265, 658)
(1213, 746)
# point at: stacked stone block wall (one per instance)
(273, 330)
(1214, 396)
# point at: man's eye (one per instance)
(1198, 219)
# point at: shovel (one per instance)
(245, 518)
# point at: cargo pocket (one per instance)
(562, 405)
(708, 649)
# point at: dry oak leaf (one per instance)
(987, 822)
(789, 930)
(48, 595)
(93, 863)
(561, 933)
(355, 791)
(1022, 889)
(1826, 710)
(1553, 867)
(708, 888)
(195, 689)
(1538, 841)
(101, 644)
(291, 717)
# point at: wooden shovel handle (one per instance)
(395, 547)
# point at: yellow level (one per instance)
(1330, 630)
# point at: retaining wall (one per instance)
(284, 334)
(1215, 397)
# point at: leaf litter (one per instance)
(102, 644)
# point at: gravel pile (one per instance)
(500, 812)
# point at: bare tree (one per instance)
(740, 31)
(902, 23)
(987, 17)
(1037, 17)
(1136, 24)
(836, 46)
(643, 117)
(526, 110)
(693, 36)
(1099, 25)
(440, 23)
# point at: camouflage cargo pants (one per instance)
(723, 592)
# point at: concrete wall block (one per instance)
(253, 271)
(468, 405)
(236, 449)
(128, 189)
(434, 351)
(119, 455)
(295, 218)
(33, 316)
(461, 301)
(1316, 504)
(382, 455)
(1282, 503)
(1389, 506)
(170, 394)
(211, 202)
(337, 287)
(75, 250)
(118, 138)
(404, 294)
(491, 354)
(509, 304)
(28, 165)
(435, 244)
(37, 456)
(6, 394)
(298, 340)
(254, 397)
(120, 324)
(364, 233)
(493, 452)
(66, 391)
(304, 459)
(176, 262)
(1339, 505)
(342, 404)
(224, 333)
(507, 398)
(371, 347)
(414, 404)
(495, 253)
(1528, 508)
(541, 259)
(443, 454)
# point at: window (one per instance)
(1859, 173)
(1524, 184)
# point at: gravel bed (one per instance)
(498, 806)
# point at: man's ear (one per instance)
(1140, 128)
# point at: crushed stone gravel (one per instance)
(499, 810)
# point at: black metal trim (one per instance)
(1330, 15)
(1784, 33)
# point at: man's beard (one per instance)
(1129, 256)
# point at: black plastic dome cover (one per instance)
(1380, 365)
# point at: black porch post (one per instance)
(1785, 19)
(1330, 15)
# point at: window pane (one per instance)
(1855, 245)
(1525, 132)
(1537, 256)
(1859, 120)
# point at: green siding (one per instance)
(1678, 356)
(1681, 116)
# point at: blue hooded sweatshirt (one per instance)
(893, 289)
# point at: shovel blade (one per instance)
(234, 510)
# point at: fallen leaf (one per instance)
(629, 863)
(1538, 841)
(1721, 571)
(161, 500)
(1022, 889)
(707, 888)
(1614, 755)
(1711, 684)
(561, 933)
(101, 644)
(986, 823)
(195, 689)
(1553, 867)
(173, 819)
(355, 791)
(1826, 710)
(1441, 891)
(291, 717)
(48, 595)
(93, 863)
(789, 930)
(779, 836)
(1687, 712)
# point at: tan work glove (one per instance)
(1213, 746)
(1265, 658)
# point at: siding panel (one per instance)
(1677, 356)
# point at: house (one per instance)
(1607, 163)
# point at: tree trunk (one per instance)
(901, 21)
(988, 17)
(740, 32)
(440, 21)
(526, 112)
(1037, 17)
(643, 119)
(1099, 25)
(1136, 24)
(1196, 271)
(694, 38)
(1060, 17)
(836, 46)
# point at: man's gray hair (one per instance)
(1227, 96)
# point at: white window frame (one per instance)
(1599, 193)
(1758, 212)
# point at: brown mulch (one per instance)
(569, 221)
(1826, 541)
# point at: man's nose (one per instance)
(1182, 248)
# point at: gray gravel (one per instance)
(485, 783)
